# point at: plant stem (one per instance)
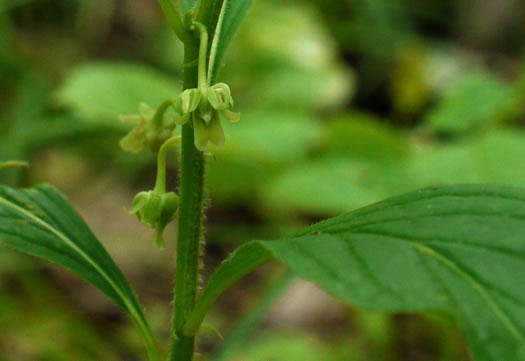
(191, 209)
(203, 56)
(190, 224)
(160, 185)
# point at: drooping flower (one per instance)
(153, 128)
(156, 210)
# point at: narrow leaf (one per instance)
(41, 223)
(459, 250)
(231, 16)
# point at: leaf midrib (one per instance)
(75, 248)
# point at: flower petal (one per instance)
(216, 133)
(200, 133)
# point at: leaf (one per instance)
(331, 185)
(457, 250)
(477, 100)
(491, 158)
(364, 136)
(102, 91)
(41, 223)
(248, 159)
(231, 16)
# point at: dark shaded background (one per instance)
(344, 102)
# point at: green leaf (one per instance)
(102, 91)
(457, 250)
(188, 5)
(477, 100)
(232, 15)
(248, 159)
(40, 222)
(364, 136)
(490, 158)
(331, 185)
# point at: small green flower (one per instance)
(152, 130)
(204, 106)
(186, 104)
(156, 210)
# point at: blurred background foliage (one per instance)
(344, 102)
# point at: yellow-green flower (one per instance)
(152, 130)
(156, 210)
(204, 106)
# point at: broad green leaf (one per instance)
(476, 101)
(258, 147)
(457, 250)
(364, 136)
(40, 222)
(284, 57)
(331, 185)
(231, 16)
(102, 91)
(491, 158)
(329, 87)
(270, 136)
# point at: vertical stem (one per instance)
(191, 206)
(190, 224)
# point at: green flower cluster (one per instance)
(200, 108)
(204, 106)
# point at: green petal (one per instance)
(139, 202)
(224, 90)
(190, 99)
(216, 100)
(233, 116)
(146, 111)
(134, 141)
(216, 133)
(200, 133)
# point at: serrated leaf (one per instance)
(231, 16)
(102, 91)
(40, 222)
(458, 250)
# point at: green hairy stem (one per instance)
(190, 226)
(191, 211)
